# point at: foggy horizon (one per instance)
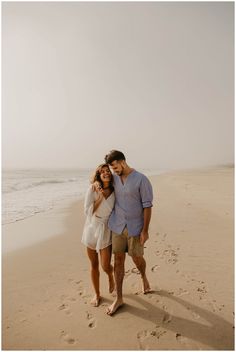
(154, 80)
(226, 165)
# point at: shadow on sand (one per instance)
(216, 332)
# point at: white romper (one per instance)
(96, 234)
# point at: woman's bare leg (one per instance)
(93, 256)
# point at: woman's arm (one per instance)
(97, 202)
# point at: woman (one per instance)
(96, 235)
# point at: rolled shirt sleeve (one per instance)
(146, 192)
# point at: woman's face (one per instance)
(105, 174)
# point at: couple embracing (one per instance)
(118, 209)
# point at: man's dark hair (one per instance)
(114, 155)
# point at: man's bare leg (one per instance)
(141, 266)
(119, 271)
(107, 267)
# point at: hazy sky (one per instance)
(154, 80)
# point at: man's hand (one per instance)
(143, 237)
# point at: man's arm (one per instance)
(147, 212)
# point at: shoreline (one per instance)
(12, 242)
(47, 288)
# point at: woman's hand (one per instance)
(96, 187)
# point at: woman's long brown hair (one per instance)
(97, 176)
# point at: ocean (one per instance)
(28, 192)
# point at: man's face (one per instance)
(117, 167)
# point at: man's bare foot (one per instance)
(146, 286)
(95, 301)
(111, 284)
(115, 305)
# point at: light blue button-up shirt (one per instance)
(131, 197)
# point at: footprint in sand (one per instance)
(170, 255)
(215, 307)
(158, 333)
(173, 257)
(81, 291)
(201, 287)
(171, 293)
(146, 336)
(166, 318)
(142, 337)
(127, 273)
(182, 292)
(202, 291)
(91, 320)
(135, 271)
(80, 287)
(155, 268)
(67, 338)
(181, 339)
(195, 315)
(63, 306)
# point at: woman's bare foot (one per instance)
(95, 301)
(115, 305)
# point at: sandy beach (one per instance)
(46, 287)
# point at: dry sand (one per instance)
(47, 290)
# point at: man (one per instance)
(129, 221)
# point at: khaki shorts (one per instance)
(124, 243)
